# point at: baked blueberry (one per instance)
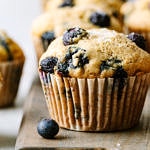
(110, 64)
(62, 69)
(48, 64)
(4, 44)
(47, 128)
(120, 73)
(73, 35)
(100, 19)
(47, 38)
(76, 57)
(138, 39)
(67, 3)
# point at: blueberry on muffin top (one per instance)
(101, 53)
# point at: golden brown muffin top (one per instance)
(94, 53)
(136, 14)
(9, 50)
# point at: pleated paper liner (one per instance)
(95, 104)
(11, 74)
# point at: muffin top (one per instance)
(94, 53)
(9, 50)
(133, 10)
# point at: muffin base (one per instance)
(11, 74)
(95, 104)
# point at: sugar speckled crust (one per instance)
(137, 14)
(9, 49)
(101, 46)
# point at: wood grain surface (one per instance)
(137, 138)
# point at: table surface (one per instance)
(137, 138)
(16, 17)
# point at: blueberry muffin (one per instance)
(48, 26)
(95, 80)
(132, 11)
(55, 4)
(11, 65)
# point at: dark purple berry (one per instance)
(62, 69)
(120, 73)
(76, 57)
(120, 76)
(48, 64)
(110, 64)
(138, 39)
(47, 128)
(100, 19)
(47, 38)
(67, 3)
(73, 35)
(4, 44)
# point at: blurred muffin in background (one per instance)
(136, 18)
(49, 25)
(11, 64)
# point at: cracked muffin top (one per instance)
(9, 50)
(94, 53)
(133, 10)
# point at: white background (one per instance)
(16, 17)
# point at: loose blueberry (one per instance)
(47, 38)
(48, 64)
(138, 39)
(67, 3)
(100, 19)
(73, 35)
(48, 128)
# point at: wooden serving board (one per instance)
(137, 138)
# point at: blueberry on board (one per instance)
(47, 38)
(138, 39)
(48, 64)
(47, 128)
(100, 19)
(73, 35)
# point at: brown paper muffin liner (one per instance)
(95, 104)
(11, 73)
